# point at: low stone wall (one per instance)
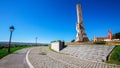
(113, 43)
(57, 46)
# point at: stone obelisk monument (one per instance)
(81, 35)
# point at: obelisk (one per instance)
(81, 35)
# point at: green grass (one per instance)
(115, 56)
(3, 51)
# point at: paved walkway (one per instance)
(42, 57)
(15, 60)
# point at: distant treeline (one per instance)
(22, 44)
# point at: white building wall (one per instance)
(55, 46)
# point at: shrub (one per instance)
(15, 45)
(73, 40)
(1, 47)
(56, 41)
(100, 42)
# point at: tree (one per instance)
(73, 40)
(116, 35)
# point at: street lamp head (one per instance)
(12, 28)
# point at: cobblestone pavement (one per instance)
(97, 53)
(15, 60)
(42, 57)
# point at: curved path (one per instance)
(15, 60)
(42, 57)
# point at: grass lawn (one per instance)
(3, 51)
(115, 56)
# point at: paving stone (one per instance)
(60, 60)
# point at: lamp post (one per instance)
(36, 40)
(11, 30)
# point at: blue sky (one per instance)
(56, 19)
